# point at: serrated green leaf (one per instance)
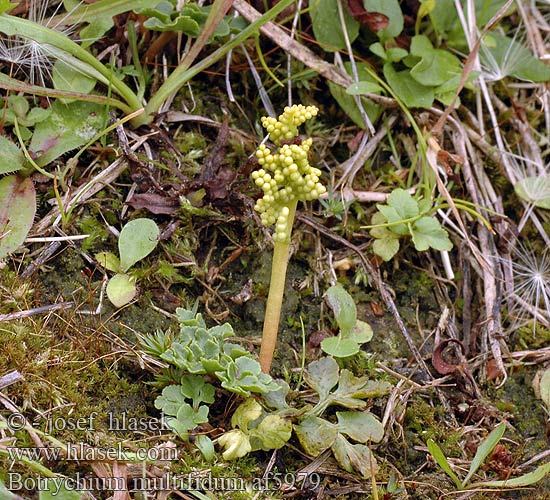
(412, 93)
(121, 289)
(403, 203)
(322, 376)
(187, 419)
(277, 399)
(109, 261)
(327, 27)
(17, 209)
(137, 239)
(12, 158)
(535, 190)
(352, 390)
(427, 233)
(360, 426)
(315, 435)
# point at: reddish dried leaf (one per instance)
(218, 188)
(155, 203)
(439, 363)
(375, 21)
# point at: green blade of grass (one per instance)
(442, 461)
(484, 449)
(518, 482)
(14, 85)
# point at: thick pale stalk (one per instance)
(275, 296)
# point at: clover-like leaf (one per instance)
(315, 435)
(137, 239)
(187, 419)
(171, 399)
(194, 387)
(322, 376)
(427, 233)
(361, 426)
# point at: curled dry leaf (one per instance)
(441, 365)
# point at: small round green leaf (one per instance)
(121, 289)
(137, 239)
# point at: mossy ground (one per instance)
(76, 364)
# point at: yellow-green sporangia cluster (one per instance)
(285, 176)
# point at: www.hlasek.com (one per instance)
(82, 452)
(196, 481)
